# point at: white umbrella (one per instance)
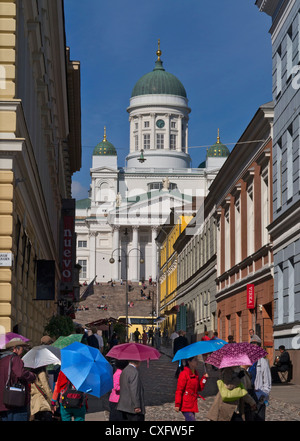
(42, 356)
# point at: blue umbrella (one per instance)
(198, 348)
(87, 369)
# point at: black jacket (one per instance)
(179, 343)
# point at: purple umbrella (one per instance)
(236, 354)
(8, 336)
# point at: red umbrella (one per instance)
(133, 351)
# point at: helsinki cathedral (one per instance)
(116, 226)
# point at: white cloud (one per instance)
(79, 191)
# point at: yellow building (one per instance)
(168, 267)
(40, 149)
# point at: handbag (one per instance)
(71, 397)
(231, 395)
(13, 395)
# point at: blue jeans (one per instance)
(20, 414)
(67, 413)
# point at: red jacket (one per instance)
(187, 392)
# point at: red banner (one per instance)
(250, 296)
(67, 255)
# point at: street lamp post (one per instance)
(112, 260)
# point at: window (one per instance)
(265, 205)
(159, 141)
(173, 125)
(155, 185)
(83, 271)
(279, 173)
(173, 142)
(136, 142)
(82, 244)
(289, 53)
(289, 153)
(278, 65)
(291, 287)
(227, 240)
(250, 220)
(279, 303)
(147, 142)
(146, 124)
(136, 125)
(237, 214)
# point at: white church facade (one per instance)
(127, 205)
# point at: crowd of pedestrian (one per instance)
(43, 401)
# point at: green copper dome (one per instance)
(159, 82)
(105, 147)
(218, 149)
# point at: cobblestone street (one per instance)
(160, 385)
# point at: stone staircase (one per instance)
(114, 301)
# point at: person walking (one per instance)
(68, 408)
(137, 335)
(144, 337)
(113, 341)
(131, 402)
(179, 343)
(18, 374)
(205, 337)
(115, 414)
(188, 387)
(40, 396)
(150, 336)
(228, 411)
(261, 384)
(157, 338)
(92, 340)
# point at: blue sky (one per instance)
(220, 50)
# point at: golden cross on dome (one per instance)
(104, 137)
(158, 52)
(218, 137)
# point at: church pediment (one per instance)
(103, 170)
(149, 205)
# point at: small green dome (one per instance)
(105, 148)
(202, 165)
(159, 82)
(218, 149)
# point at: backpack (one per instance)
(71, 397)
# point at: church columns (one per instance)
(140, 142)
(167, 136)
(116, 244)
(134, 255)
(179, 141)
(152, 136)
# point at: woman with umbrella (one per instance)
(229, 359)
(188, 387)
(231, 410)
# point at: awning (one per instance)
(173, 310)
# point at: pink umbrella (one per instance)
(236, 354)
(133, 351)
(8, 336)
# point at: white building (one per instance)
(127, 204)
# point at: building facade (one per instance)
(127, 205)
(40, 148)
(243, 207)
(285, 228)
